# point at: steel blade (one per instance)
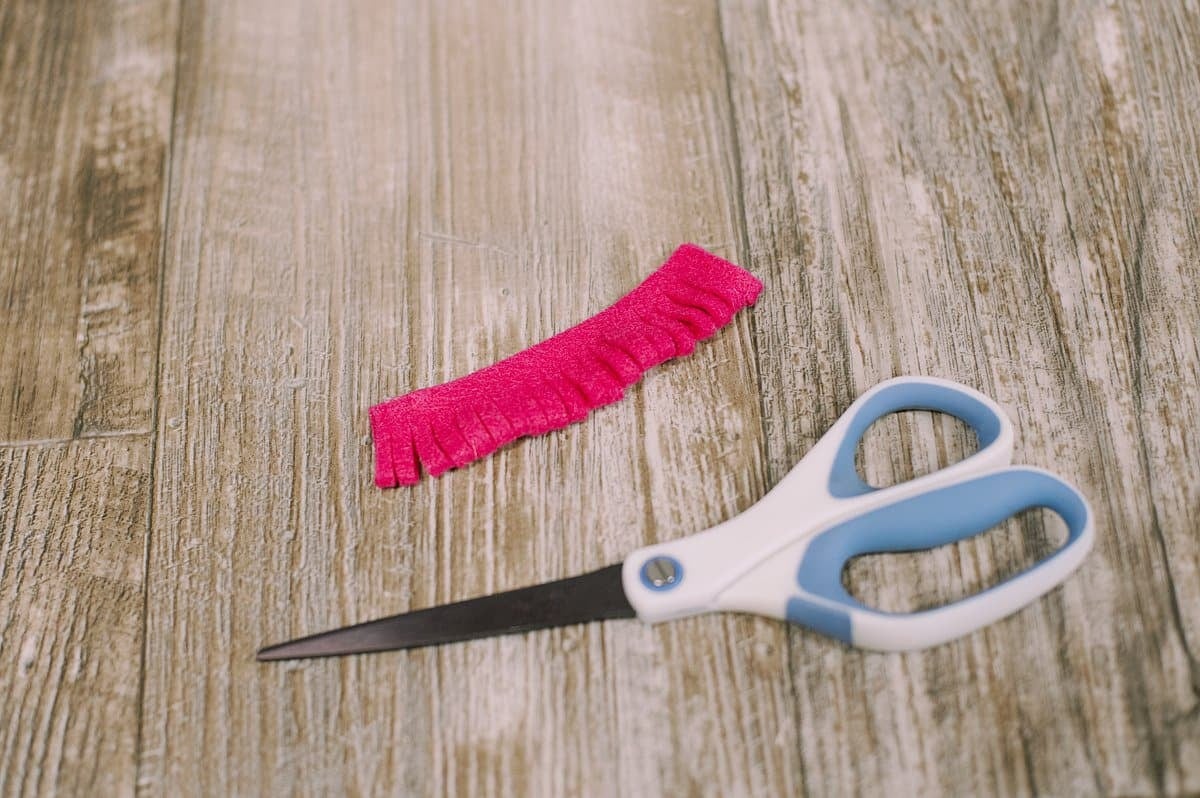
(594, 596)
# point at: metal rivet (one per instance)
(661, 572)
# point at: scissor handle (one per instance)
(939, 516)
(749, 562)
(834, 453)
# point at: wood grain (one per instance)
(366, 198)
(72, 545)
(85, 101)
(1006, 198)
(371, 199)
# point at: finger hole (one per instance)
(923, 580)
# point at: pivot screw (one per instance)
(662, 573)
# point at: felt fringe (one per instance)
(560, 380)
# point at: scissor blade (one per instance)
(594, 596)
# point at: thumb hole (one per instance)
(912, 443)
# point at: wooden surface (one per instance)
(227, 228)
(85, 104)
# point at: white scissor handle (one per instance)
(939, 516)
(751, 562)
(828, 472)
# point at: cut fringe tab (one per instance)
(560, 380)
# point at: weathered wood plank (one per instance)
(1006, 196)
(85, 100)
(367, 199)
(72, 546)
(374, 200)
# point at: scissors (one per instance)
(784, 556)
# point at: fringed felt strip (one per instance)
(560, 380)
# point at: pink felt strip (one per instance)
(560, 380)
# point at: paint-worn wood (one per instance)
(72, 546)
(367, 199)
(1008, 196)
(370, 197)
(85, 99)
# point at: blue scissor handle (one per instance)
(991, 427)
(821, 514)
(938, 516)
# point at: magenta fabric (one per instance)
(560, 380)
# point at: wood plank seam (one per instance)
(89, 436)
(156, 393)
